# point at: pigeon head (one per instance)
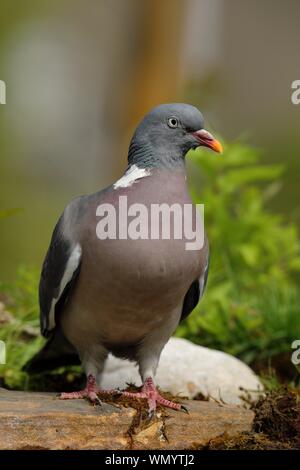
(167, 133)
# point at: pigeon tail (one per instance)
(57, 352)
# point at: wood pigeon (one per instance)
(105, 292)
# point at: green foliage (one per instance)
(251, 305)
(21, 331)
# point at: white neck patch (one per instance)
(132, 175)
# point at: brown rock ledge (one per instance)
(41, 421)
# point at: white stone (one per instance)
(187, 369)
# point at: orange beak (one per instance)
(205, 139)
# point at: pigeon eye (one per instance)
(173, 122)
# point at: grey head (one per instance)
(166, 134)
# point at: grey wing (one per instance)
(195, 292)
(59, 273)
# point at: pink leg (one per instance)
(90, 391)
(153, 397)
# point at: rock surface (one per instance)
(41, 421)
(189, 369)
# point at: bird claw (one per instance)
(184, 409)
(95, 401)
(90, 392)
(153, 397)
(150, 415)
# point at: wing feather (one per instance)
(59, 273)
(195, 293)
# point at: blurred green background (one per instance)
(79, 76)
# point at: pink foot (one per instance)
(90, 391)
(153, 397)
